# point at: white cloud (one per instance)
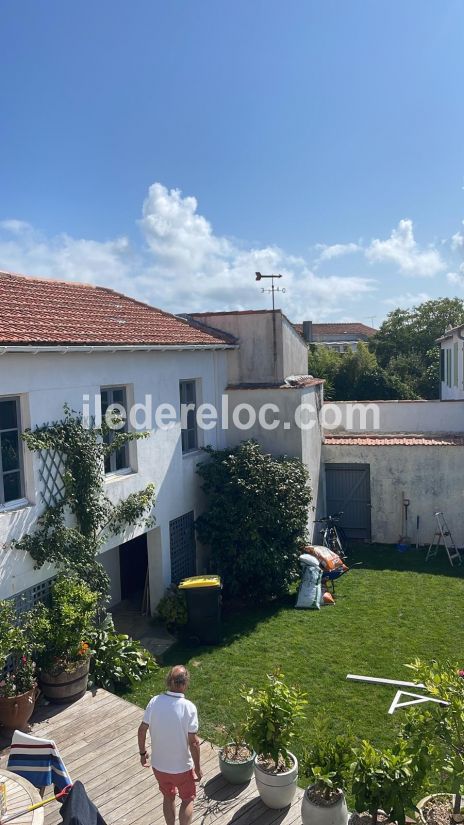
(408, 299)
(402, 249)
(182, 266)
(336, 250)
(457, 241)
(456, 278)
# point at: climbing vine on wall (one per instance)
(71, 531)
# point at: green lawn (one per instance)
(390, 609)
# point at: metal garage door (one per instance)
(348, 488)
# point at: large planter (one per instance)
(277, 789)
(15, 711)
(439, 796)
(323, 813)
(237, 772)
(67, 685)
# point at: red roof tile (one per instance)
(338, 329)
(36, 311)
(396, 440)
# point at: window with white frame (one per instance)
(11, 471)
(119, 459)
(188, 415)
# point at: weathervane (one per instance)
(273, 289)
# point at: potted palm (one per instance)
(385, 782)
(444, 726)
(18, 683)
(327, 764)
(273, 715)
(65, 629)
(236, 757)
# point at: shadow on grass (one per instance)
(387, 557)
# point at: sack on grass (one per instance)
(309, 594)
(327, 558)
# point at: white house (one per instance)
(66, 342)
(452, 364)
(340, 336)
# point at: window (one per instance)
(448, 367)
(442, 364)
(11, 476)
(188, 415)
(119, 460)
(455, 364)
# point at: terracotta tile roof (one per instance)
(37, 311)
(396, 440)
(338, 329)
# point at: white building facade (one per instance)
(452, 364)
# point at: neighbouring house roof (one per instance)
(395, 440)
(338, 329)
(450, 332)
(40, 312)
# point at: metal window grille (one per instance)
(183, 549)
(24, 601)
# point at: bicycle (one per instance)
(333, 535)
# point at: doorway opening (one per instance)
(133, 565)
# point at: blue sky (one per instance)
(169, 149)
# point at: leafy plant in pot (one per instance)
(386, 782)
(236, 757)
(64, 629)
(327, 763)
(18, 683)
(274, 712)
(444, 725)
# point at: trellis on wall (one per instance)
(182, 546)
(52, 470)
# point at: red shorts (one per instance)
(183, 782)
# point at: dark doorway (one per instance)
(133, 563)
(348, 488)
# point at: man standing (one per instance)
(175, 748)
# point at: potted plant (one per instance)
(65, 628)
(444, 725)
(236, 758)
(273, 715)
(386, 782)
(327, 764)
(18, 684)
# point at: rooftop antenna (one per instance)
(371, 318)
(273, 289)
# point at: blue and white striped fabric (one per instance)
(37, 760)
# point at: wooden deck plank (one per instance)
(97, 738)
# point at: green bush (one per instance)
(327, 762)
(64, 627)
(117, 660)
(172, 608)
(256, 518)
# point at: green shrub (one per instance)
(327, 762)
(256, 518)
(64, 627)
(117, 660)
(172, 608)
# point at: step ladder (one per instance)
(443, 538)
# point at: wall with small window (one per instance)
(452, 368)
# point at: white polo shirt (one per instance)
(171, 717)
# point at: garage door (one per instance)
(348, 488)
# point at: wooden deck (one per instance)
(97, 738)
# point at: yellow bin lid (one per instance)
(200, 581)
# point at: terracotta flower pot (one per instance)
(15, 711)
(66, 685)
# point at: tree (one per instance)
(324, 362)
(356, 376)
(405, 345)
(256, 518)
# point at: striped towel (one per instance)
(37, 760)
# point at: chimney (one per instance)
(308, 331)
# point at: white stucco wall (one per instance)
(398, 416)
(253, 361)
(290, 440)
(431, 477)
(45, 382)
